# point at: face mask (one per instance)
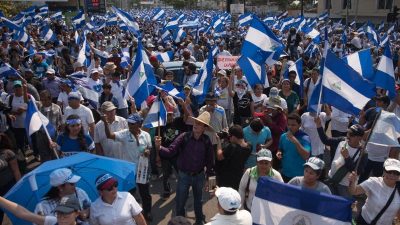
(240, 91)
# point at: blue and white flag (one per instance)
(381, 26)
(132, 25)
(384, 40)
(390, 30)
(6, 70)
(125, 61)
(166, 35)
(384, 76)
(35, 120)
(179, 35)
(386, 130)
(84, 53)
(171, 90)
(282, 15)
(157, 115)
(77, 38)
(165, 56)
(56, 16)
(323, 16)
(278, 203)
(313, 34)
(361, 62)
(142, 76)
(174, 22)
(43, 10)
(298, 68)
(260, 42)
(203, 81)
(245, 19)
(79, 20)
(47, 34)
(112, 20)
(22, 36)
(10, 24)
(158, 14)
(371, 34)
(342, 87)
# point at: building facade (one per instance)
(361, 10)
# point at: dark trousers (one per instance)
(167, 165)
(20, 138)
(144, 192)
(375, 167)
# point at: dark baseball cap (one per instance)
(356, 130)
(68, 204)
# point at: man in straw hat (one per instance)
(195, 153)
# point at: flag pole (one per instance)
(158, 115)
(362, 152)
(45, 129)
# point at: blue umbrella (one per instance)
(34, 185)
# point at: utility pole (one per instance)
(347, 11)
(302, 8)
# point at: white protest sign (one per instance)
(226, 62)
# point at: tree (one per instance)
(12, 8)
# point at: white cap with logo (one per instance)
(228, 198)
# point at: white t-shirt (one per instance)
(338, 161)
(117, 89)
(378, 194)
(311, 87)
(224, 99)
(95, 85)
(131, 150)
(241, 217)
(262, 99)
(84, 114)
(120, 212)
(309, 127)
(111, 147)
(18, 102)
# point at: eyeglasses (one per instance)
(393, 172)
(112, 187)
(72, 184)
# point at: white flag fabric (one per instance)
(386, 130)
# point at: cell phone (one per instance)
(212, 183)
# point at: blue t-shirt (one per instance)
(254, 140)
(292, 162)
(40, 69)
(72, 145)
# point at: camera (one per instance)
(223, 134)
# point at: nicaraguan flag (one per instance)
(179, 35)
(174, 22)
(269, 19)
(48, 34)
(245, 19)
(166, 35)
(203, 81)
(10, 24)
(371, 34)
(323, 16)
(361, 62)
(22, 36)
(139, 83)
(56, 16)
(298, 68)
(384, 40)
(79, 20)
(386, 130)
(165, 56)
(35, 120)
(313, 34)
(112, 20)
(6, 70)
(158, 14)
(132, 25)
(390, 30)
(384, 76)
(282, 15)
(157, 115)
(260, 42)
(342, 87)
(277, 203)
(84, 53)
(381, 26)
(43, 10)
(171, 90)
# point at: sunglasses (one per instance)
(392, 172)
(112, 187)
(72, 184)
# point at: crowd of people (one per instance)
(238, 134)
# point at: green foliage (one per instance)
(12, 8)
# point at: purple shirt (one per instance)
(194, 155)
(53, 86)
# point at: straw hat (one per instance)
(110, 66)
(204, 118)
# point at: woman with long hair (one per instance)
(74, 139)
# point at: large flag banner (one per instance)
(361, 62)
(386, 130)
(157, 115)
(35, 120)
(277, 203)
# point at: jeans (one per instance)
(182, 190)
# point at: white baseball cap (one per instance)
(315, 163)
(392, 165)
(62, 176)
(228, 198)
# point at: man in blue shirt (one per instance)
(259, 136)
(294, 149)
